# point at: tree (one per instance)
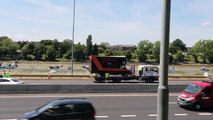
(156, 51)
(177, 45)
(128, 54)
(103, 46)
(39, 51)
(199, 50)
(179, 56)
(89, 45)
(8, 47)
(79, 52)
(95, 50)
(209, 50)
(51, 53)
(143, 49)
(64, 47)
(108, 52)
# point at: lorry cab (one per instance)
(149, 73)
(197, 95)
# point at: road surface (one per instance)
(134, 106)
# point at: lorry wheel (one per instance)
(198, 106)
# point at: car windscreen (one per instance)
(193, 89)
(14, 80)
(45, 107)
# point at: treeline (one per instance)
(52, 50)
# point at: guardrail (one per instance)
(89, 76)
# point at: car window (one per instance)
(14, 80)
(56, 110)
(77, 108)
(207, 90)
(4, 80)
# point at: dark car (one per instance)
(63, 109)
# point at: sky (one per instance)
(123, 22)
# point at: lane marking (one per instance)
(153, 115)
(128, 115)
(101, 116)
(204, 114)
(8, 119)
(183, 114)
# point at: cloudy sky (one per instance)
(113, 21)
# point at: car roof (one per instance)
(7, 78)
(70, 101)
(203, 83)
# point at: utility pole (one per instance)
(163, 91)
(73, 32)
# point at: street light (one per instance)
(73, 30)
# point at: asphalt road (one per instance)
(140, 106)
(38, 82)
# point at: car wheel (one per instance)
(198, 106)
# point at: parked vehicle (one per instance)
(63, 109)
(10, 81)
(114, 68)
(197, 95)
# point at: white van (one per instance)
(149, 73)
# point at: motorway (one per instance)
(89, 81)
(109, 106)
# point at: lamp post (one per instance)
(163, 91)
(73, 31)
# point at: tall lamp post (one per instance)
(163, 91)
(73, 31)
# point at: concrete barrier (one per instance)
(77, 88)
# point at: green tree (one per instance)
(199, 50)
(89, 45)
(64, 47)
(102, 47)
(8, 47)
(95, 50)
(177, 45)
(128, 54)
(108, 52)
(79, 52)
(209, 50)
(143, 49)
(179, 57)
(156, 51)
(39, 51)
(51, 53)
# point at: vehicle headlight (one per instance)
(189, 99)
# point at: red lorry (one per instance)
(197, 95)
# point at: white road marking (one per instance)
(101, 116)
(152, 115)
(204, 114)
(8, 119)
(183, 114)
(128, 115)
